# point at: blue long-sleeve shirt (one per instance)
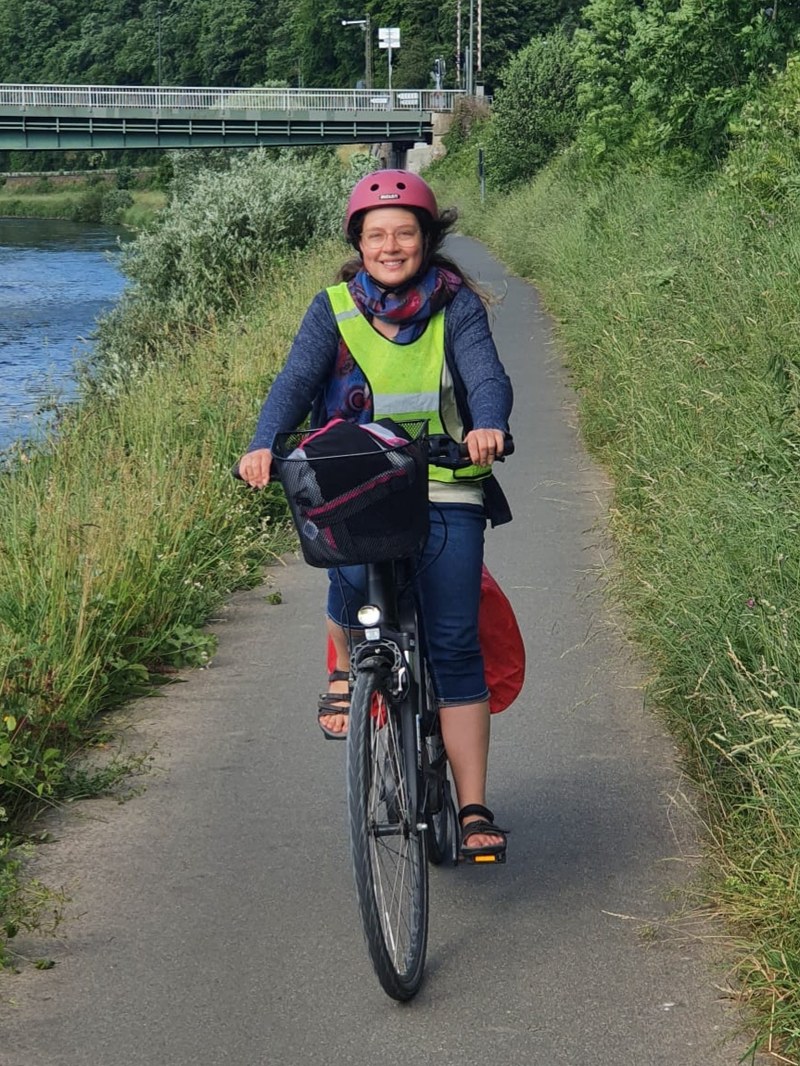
(312, 359)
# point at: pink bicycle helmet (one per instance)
(390, 188)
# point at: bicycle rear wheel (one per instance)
(387, 848)
(442, 831)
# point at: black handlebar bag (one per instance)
(358, 493)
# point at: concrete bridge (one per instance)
(70, 117)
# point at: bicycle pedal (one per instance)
(496, 859)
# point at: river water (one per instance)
(55, 279)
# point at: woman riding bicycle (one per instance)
(405, 330)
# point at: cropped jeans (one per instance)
(448, 589)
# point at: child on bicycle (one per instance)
(440, 359)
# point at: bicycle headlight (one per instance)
(369, 616)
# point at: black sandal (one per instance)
(485, 824)
(334, 703)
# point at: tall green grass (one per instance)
(678, 311)
(120, 537)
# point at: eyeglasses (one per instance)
(406, 236)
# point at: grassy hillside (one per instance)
(677, 309)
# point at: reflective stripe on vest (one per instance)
(388, 368)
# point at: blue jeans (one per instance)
(448, 589)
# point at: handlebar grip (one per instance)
(508, 448)
(508, 445)
(454, 455)
(274, 474)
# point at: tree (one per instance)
(233, 42)
(32, 34)
(329, 54)
(663, 79)
(606, 76)
(280, 57)
(535, 111)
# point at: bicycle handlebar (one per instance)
(443, 451)
(452, 454)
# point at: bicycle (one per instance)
(401, 808)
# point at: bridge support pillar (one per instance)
(398, 156)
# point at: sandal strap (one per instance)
(475, 808)
(487, 828)
(339, 675)
(333, 703)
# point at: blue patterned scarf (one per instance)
(411, 308)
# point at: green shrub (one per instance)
(661, 82)
(535, 111)
(164, 172)
(469, 114)
(462, 142)
(126, 177)
(88, 207)
(115, 203)
(763, 169)
(219, 234)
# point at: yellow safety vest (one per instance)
(390, 367)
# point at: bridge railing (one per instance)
(159, 98)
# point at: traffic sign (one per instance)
(389, 37)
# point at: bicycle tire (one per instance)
(388, 851)
(441, 814)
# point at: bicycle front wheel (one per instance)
(387, 847)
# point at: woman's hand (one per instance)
(484, 445)
(254, 468)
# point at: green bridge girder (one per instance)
(82, 117)
(35, 130)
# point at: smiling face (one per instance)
(391, 245)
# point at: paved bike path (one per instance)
(213, 917)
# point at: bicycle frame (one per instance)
(393, 647)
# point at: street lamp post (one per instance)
(159, 43)
(459, 56)
(367, 28)
(471, 52)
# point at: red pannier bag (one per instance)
(501, 644)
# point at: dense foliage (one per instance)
(665, 84)
(668, 77)
(535, 111)
(226, 225)
(241, 42)
(764, 164)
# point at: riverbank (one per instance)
(124, 531)
(82, 198)
(120, 542)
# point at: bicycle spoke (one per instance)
(388, 850)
